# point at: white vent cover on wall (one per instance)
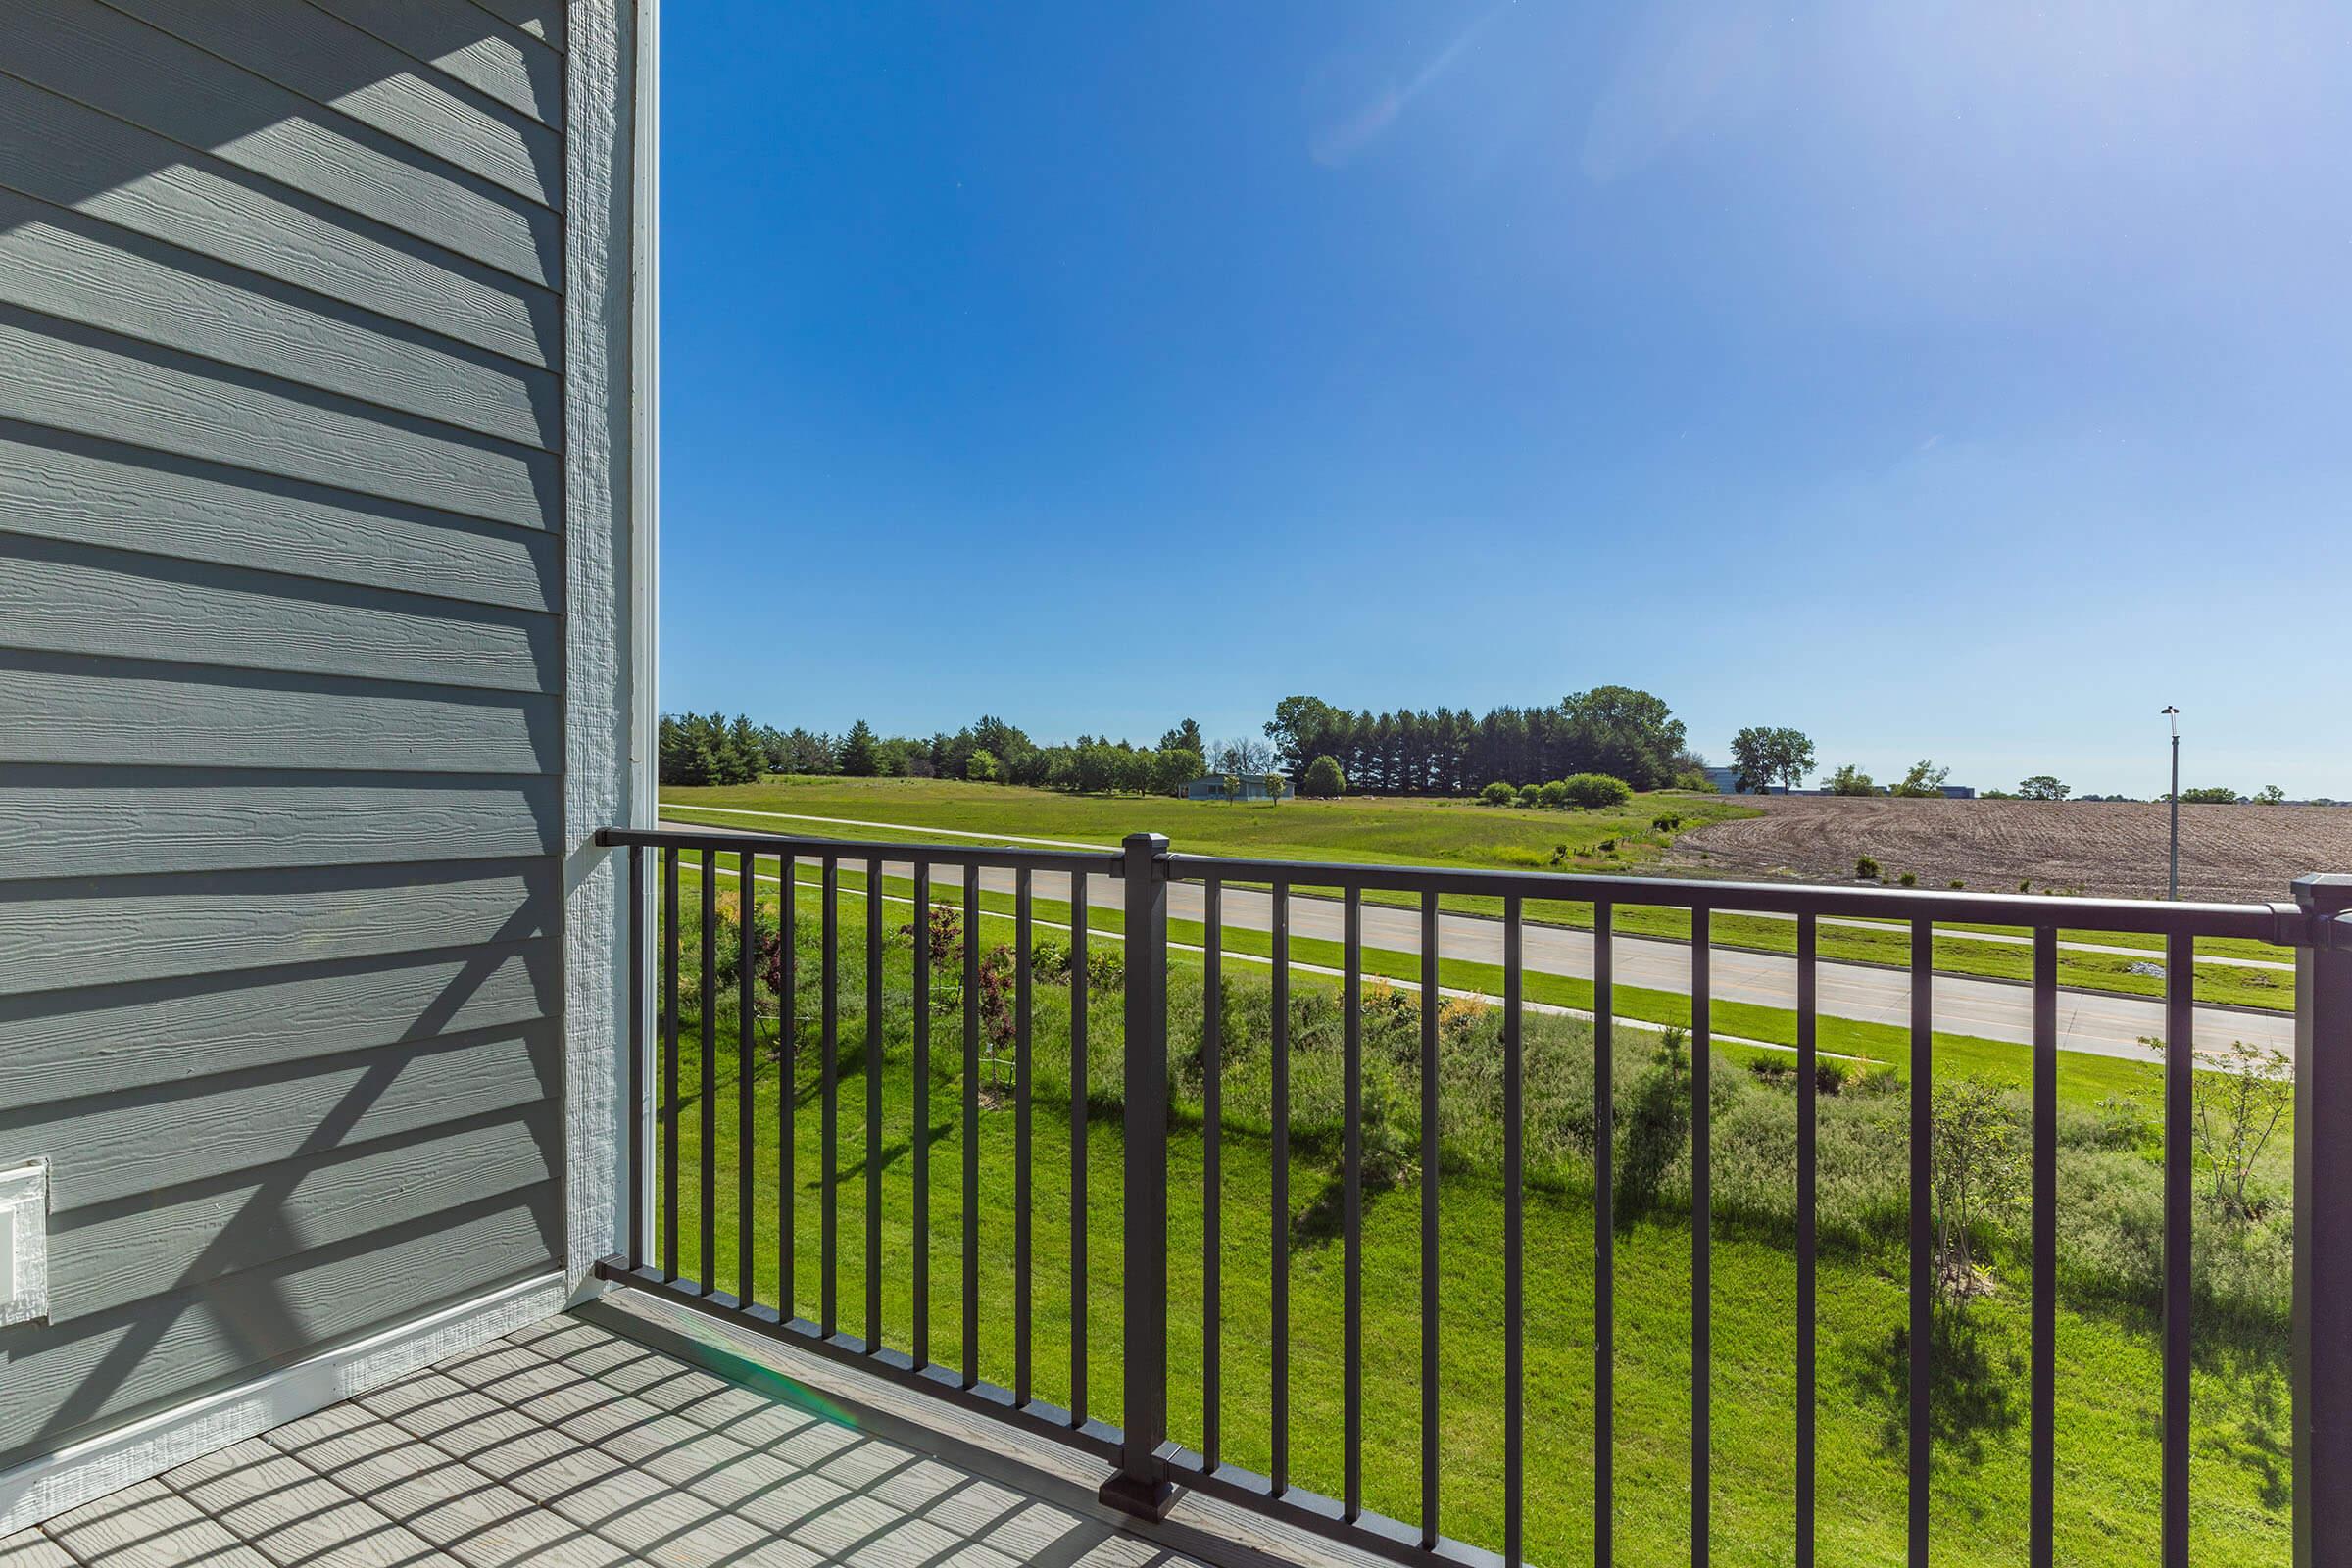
(23, 1244)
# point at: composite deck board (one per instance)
(72, 377)
(91, 821)
(321, 55)
(140, 1035)
(62, 935)
(73, 155)
(66, 264)
(58, 485)
(469, 45)
(203, 1230)
(137, 1154)
(67, 709)
(98, 1371)
(62, 598)
(122, 66)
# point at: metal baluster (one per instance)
(1514, 1359)
(1212, 1172)
(1808, 1095)
(1605, 1227)
(2042, 1437)
(1703, 1292)
(707, 1262)
(921, 1349)
(747, 1073)
(829, 1109)
(873, 1106)
(637, 1106)
(1079, 1274)
(671, 939)
(1922, 1284)
(1429, 1218)
(971, 1125)
(2179, 1067)
(788, 1083)
(1352, 1202)
(1279, 1403)
(1022, 902)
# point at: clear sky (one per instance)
(1965, 380)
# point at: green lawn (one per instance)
(2107, 1360)
(1423, 832)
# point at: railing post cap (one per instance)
(2323, 893)
(1158, 843)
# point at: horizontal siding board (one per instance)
(324, 58)
(105, 822)
(171, 1237)
(175, 1142)
(120, 929)
(69, 599)
(73, 155)
(67, 1380)
(119, 64)
(68, 376)
(67, 709)
(164, 1241)
(58, 485)
(541, 18)
(99, 1043)
(63, 262)
(490, 56)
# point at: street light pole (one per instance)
(2173, 713)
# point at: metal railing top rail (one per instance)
(1009, 858)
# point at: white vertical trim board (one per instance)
(645, 468)
(85, 1471)
(603, 656)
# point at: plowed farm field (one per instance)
(2095, 848)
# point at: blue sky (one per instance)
(1959, 380)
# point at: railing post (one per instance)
(2322, 1290)
(1142, 1487)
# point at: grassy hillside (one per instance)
(1428, 832)
(2107, 1357)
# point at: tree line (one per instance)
(1615, 730)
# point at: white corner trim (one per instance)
(45, 1488)
(603, 557)
(25, 1244)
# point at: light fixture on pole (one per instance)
(2174, 883)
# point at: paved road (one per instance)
(1992, 1010)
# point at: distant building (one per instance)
(1253, 788)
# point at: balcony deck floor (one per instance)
(568, 1444)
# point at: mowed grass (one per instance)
(2108, 1370)
(2086, 1079)
(1379, 830)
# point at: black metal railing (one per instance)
(1151, 1468)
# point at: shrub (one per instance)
(982, 767)
(1497, 794)
(1607, 846)
(1527, 795)
(1323, 781)
(1866, 868)
(1554, 794)
(1977, 1175)
(1909, 879)
(1049, 959)
(1690, 778)
(1849, 780)
(1106, 969)
(1593, 791)
(2241, 1100)
(1665, 825)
